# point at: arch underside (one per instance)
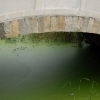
(44, 24)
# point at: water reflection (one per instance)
(54, 72)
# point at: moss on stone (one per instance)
(47, 37)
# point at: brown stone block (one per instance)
(61, 23)
(96, 26)
(40, 24)
(47, 24)
(54, 24)
(15, 27)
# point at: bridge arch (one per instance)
(41, 16)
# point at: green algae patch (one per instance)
(46, 37)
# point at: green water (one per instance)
(49, 71)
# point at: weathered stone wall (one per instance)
(43, 24)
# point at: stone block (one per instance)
(96, 26)
(15, 27)
(2, 31)
(22, 26)
(47, 24)
(85, 24)
(68, 23)
(90, 25)
(34, 24)
(8, 29)
(40, 24)
(28, 25)
(74, 23)
(61, 23)
(54, 24)
(80, 24)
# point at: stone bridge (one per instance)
(19, 17)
